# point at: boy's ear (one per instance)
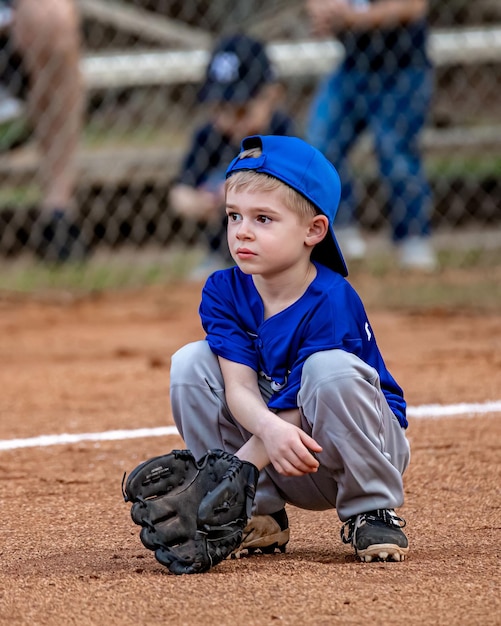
(317, 230)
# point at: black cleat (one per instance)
(376, 536)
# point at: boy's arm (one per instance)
(277, 438)
(197, 203)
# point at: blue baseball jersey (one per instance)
(329, 315)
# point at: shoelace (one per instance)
(388, 516)
(233, 469)
(212, 457)
(231, 473)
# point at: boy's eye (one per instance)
(264, 219)
(233, 217)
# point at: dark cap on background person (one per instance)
(239, 66)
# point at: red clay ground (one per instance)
(71, 555)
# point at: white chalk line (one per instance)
(425, 411)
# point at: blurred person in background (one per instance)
(14, 129)
(40, 61)
(243, 97)
(384, 83)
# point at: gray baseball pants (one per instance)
(365, 450)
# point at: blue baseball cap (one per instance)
(239, 66)
(305, 169)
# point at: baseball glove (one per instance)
(192, 513)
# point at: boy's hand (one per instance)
(197, 203)
(290, 449)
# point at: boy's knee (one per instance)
(188, 360)
(337, 368)
(329, 363)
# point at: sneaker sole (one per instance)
(382, 552)
(264, 545)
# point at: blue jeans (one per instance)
(394, 107)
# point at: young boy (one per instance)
(243, 98)
(290, 376)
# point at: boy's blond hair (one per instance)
(251, 181)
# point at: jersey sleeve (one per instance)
(227, 321)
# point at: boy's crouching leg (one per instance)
(197, 398)
(364, 447)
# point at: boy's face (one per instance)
(250, 118)
(264, 236)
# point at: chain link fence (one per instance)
(142, 63)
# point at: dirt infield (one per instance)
(71, 555)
